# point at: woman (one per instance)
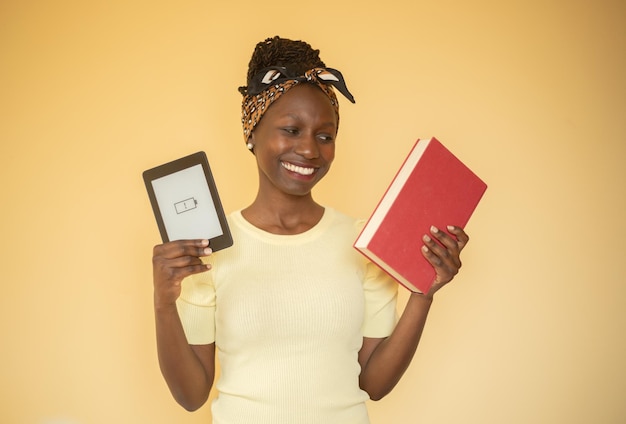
(304, 326)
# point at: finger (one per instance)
(430, 256)
(183, 247)
(177, 275)
(445, 246)
(178, 248)
(441, 258)
(445, 268)
(460, 234)
(435, 250)
(449, 242)
(447, 253)
(181, 261)
(175, 270)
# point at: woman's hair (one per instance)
(276, 51)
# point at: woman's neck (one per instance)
(285, 216)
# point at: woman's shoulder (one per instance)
(346, 221)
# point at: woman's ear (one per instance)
(250, 144)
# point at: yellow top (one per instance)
(288, 314)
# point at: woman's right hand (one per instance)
(171, 263)
(189, 370)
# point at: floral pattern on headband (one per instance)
(270, 83)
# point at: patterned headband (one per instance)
(271, 83)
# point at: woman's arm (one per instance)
(384, 360)
(188, 370)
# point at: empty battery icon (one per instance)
(186, 205)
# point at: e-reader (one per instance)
(186, 203)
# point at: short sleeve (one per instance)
(381, 298)
(196, 308)
(381, 295)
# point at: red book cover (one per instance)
(432, 187)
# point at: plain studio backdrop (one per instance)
(530, 94)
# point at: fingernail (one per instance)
(424, 249)
(426, 238)
(451, 227)
(208, 251)
(434, 229)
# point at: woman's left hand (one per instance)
(445, 255)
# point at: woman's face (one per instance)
(294, 143)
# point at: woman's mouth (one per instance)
(306, 171)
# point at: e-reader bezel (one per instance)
(199, 158)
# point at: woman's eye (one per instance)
(325, 138)
(291, 131)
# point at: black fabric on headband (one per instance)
(275, 75)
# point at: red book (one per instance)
(433, 187)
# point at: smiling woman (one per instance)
(294, 145)
(304, 326)
(94, 92)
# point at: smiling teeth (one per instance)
(298, 169)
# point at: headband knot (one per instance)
(271, 83)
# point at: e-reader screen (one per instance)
(185, 201)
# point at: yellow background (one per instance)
(530, 94)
